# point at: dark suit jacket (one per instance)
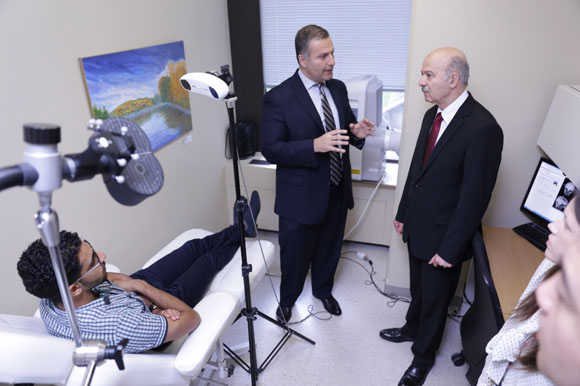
(290, 123)
(443, 203)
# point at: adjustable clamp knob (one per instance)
(116, 352)
(41, 133)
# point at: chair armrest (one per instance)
(217, 310)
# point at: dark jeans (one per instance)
(187, 271)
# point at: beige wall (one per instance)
(518, 52)
(40, 81)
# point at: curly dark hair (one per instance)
(35, 266)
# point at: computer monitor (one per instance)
(548, 194)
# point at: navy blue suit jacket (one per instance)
(290, 123)
(443, 203)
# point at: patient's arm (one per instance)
(124, 281)
(188, 319)
(169, 313)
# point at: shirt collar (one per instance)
(308, 83)
(450, 110)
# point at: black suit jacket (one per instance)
(443, 203)
(290, 123)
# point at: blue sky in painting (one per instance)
(122, 76)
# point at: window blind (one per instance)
(369, 37)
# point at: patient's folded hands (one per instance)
(170, 314)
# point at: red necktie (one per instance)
(432, 137)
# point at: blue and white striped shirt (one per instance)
(115, 315)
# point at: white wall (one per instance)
(40, 81)
(518, 52)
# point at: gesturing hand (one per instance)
(330, 141)
(363, 129)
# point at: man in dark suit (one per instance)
(307, 125)
(448, 188)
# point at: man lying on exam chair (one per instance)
(150, 307)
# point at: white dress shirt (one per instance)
(314, 92)
(450, 111)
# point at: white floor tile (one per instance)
(348, 349)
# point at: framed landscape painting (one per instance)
(142, 85)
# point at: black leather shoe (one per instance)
(414, 376)
(395, 335)
(283, 314)
(331, 305)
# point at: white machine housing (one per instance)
(365, 95)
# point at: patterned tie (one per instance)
(432, 137)
(329, 125)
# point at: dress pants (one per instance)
(317, 246)
(187, 271)
(432, 289)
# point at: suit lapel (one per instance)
(450, 131)
(422, 140)
(303, 98)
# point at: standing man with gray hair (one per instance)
(448, 188)
(307, 125)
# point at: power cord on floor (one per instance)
(362, 256)
(394, 299)
(313, 314)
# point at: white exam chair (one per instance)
(28, 354)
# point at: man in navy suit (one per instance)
(307, 125)
(448, 188)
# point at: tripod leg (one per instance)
(253, 359)
(293, 332)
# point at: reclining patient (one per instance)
(150, 307)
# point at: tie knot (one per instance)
(438, 118)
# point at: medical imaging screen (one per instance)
(549, 193)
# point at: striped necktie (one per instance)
(329, 125)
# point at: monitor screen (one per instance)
(548, 194)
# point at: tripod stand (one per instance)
(250, 312)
